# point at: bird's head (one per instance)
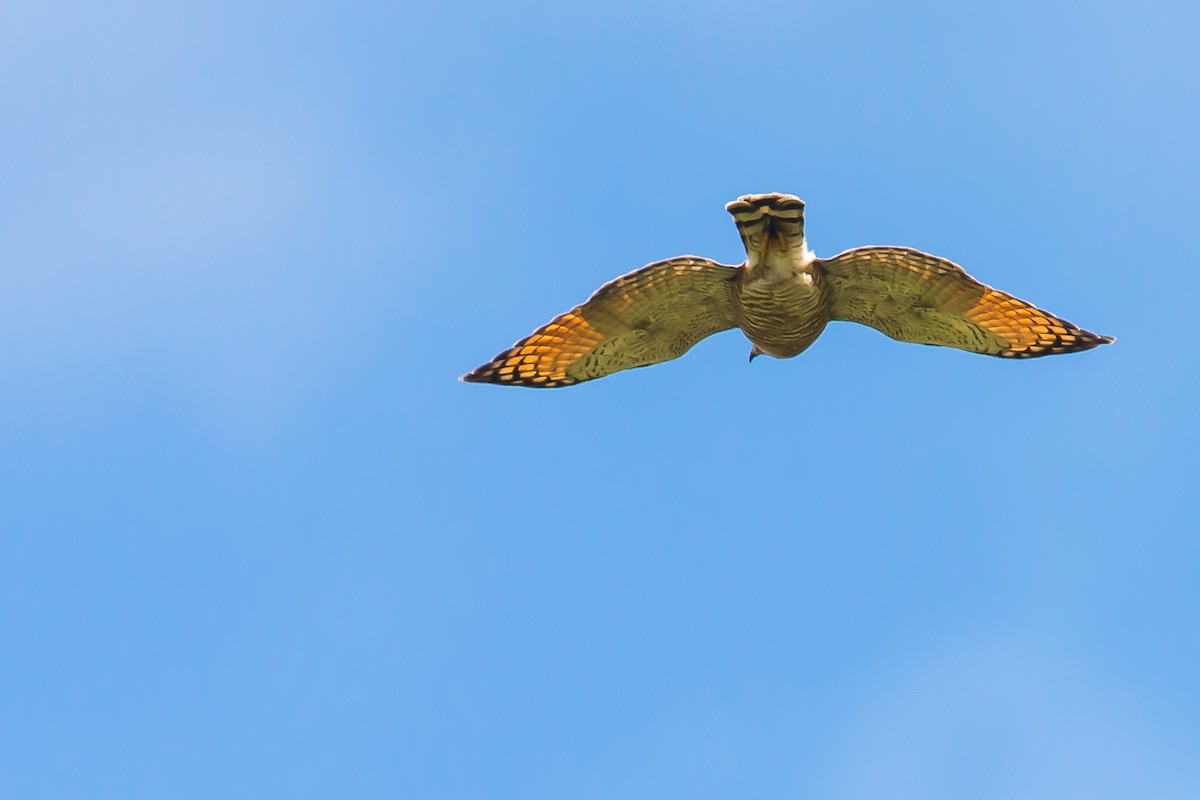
(772, 229)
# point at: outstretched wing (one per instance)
(915, 297)
(651, 315)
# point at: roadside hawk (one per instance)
(782, 297)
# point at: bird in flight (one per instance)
(782, 297)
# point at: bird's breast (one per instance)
(783, 316)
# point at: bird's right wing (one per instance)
(651, 315)
(915, 297)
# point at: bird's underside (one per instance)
(781, 298)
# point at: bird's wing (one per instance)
(651, 315)
(915, 297)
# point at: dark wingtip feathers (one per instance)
(1078, 342)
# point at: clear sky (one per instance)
(257, 541)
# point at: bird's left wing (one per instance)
(651, 315)
(915, 297)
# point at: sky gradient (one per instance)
(257, 541)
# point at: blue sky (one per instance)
(257, 541)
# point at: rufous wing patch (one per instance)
(544, 357)
(1029, 331)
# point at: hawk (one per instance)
(782, 298)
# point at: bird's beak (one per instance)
(764, 244)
